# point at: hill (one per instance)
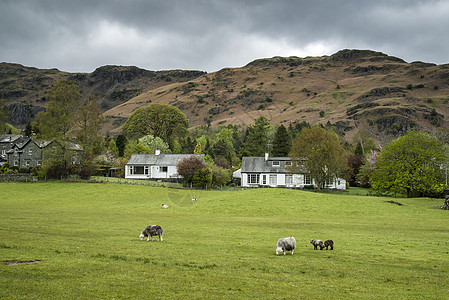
(24, 88)
(349, 90)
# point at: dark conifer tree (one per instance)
(282, 143)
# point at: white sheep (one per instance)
(286, 244)
(165, 206)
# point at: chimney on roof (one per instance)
(266, 156)
(157, 152)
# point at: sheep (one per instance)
(165, 206)
(316, 244)
(152, 230)
(329, 243)
(286, 244)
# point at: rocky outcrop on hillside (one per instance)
(24, 88)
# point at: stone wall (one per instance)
(17, 178)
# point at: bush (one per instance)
(187, 167)
(202, 177)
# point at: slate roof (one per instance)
(260, 165)
(158, 160)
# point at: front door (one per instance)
(264, 179)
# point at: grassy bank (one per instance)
(81, 241)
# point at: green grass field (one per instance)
(81, 240)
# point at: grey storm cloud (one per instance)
(79, 36)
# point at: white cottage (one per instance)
(273, 172)
(154, 166)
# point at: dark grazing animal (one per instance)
(286, 244)
(316, 244)
(329, 243)
(153, 230)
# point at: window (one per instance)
(27, 163)
(253, 178)
(16, 163)
(30, 151)
(39, 163)
(273, 179)
(288, 179)
(307, 179)
(131, 170)
(164, 169)
(288, 163)
(275, 163)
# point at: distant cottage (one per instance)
(155, 166)
(274, 172)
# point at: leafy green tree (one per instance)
(134, 147)
(3, 116)
(282, 143)
(160, 120)
(154, 143)
(113, 147)
(256, 142)
(410, 164)
(58, 123)
(320, 152)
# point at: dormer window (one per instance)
(275, 163)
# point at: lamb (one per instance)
(152, 230)
(286, 244)
(165, 206)
(316, 244)
(329, 243)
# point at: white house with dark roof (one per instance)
(274, 172)
(154, 166)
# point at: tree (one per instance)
(154, 143)
(3, 115)
(320, 152)
(134, 147)
(410, 164)
(187, 166)
(160, 120)
(121, 141)
(256, 142)
(202, 177)
(57, 123)
(282, 143)
(88, 121)
(197, 149)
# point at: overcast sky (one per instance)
(208, 35)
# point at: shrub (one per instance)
(202, 177)
(187, 167)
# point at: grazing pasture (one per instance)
(81, 240)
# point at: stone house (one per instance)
(28, 153)
(7, 141)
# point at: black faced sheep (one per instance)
(165, 206)
(286, 244)
(153, 230)
(316, 244)
(329, 243)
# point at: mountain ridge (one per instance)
(349, 90)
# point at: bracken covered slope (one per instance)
(350, 89)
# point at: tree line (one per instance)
(414, 164)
